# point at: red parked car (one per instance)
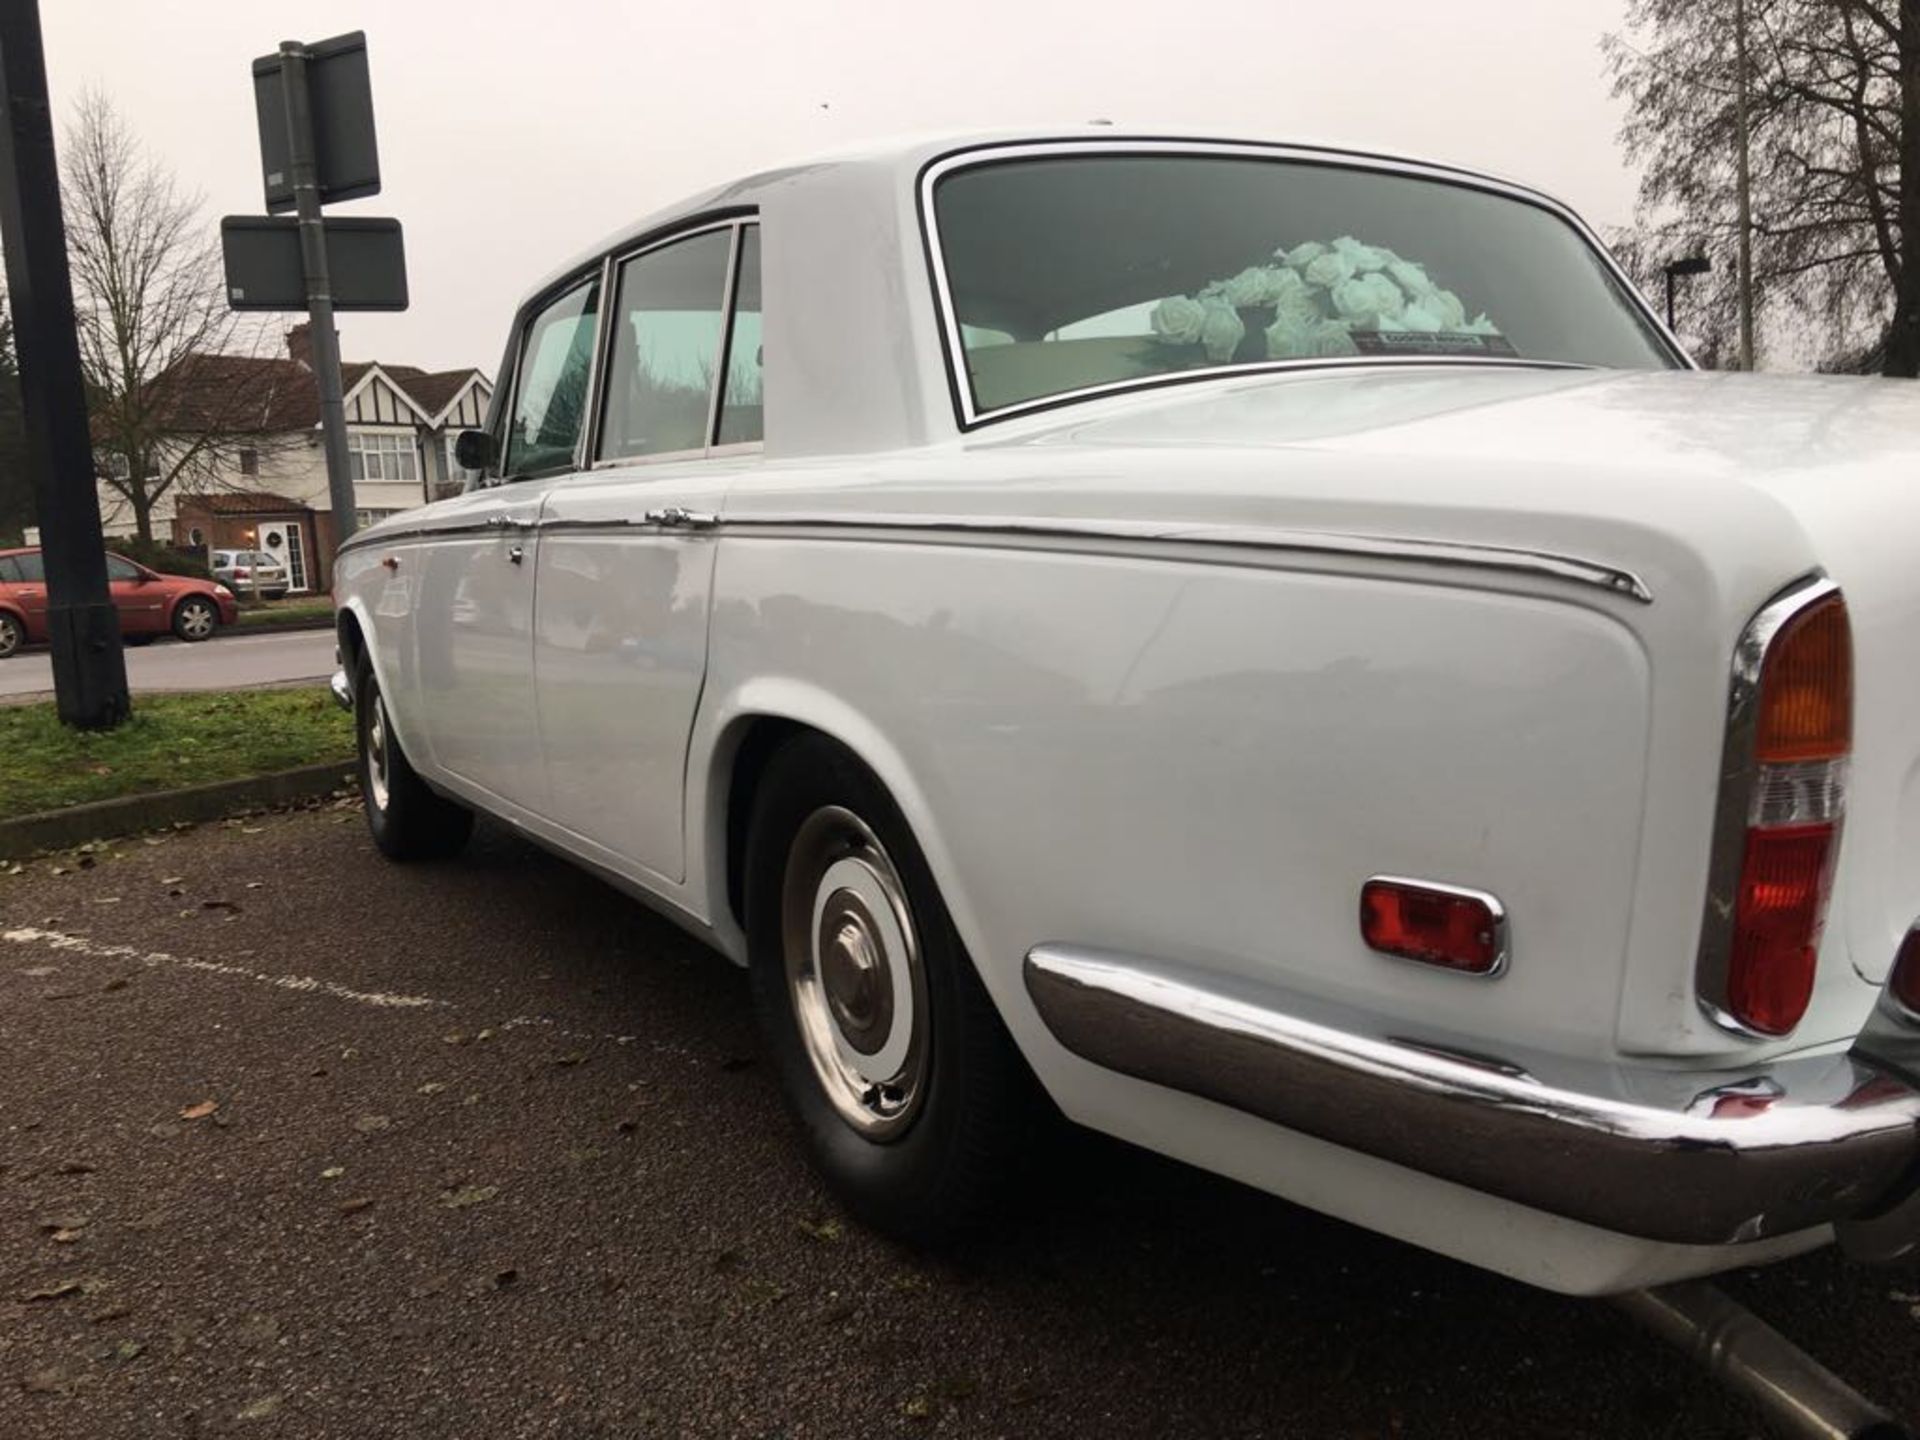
(150, 604)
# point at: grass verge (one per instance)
(266, 614)
(170, 741)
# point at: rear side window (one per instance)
(550, 394)
(683, 362)
(669, 318)
(33, 569)
(9, 570)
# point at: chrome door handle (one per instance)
(678, 517)
(516, 554)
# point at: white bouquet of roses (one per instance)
(1320, 296)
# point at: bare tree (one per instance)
(16, 498)
(152, 310)
(1831, 91)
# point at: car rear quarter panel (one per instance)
(1205, 763)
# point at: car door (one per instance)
(471, 687)
(627, 550)
(139, 599)
(28, 572)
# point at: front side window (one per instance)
(668, 322)
(375, 456)
(1070, 272)
(550, 396)
(119, 569)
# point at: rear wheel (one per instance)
(408, 821)
(915, 1103)
(195, 618)
(12, 636)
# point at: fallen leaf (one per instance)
(64, 1237)
(58, 1290)
(260, 1409)
(826, 1231)
(333, 1172)
(75, 1167)
(432, 1087)
(354, 1207)
(200, 1111)
(119, 982)
(164, 1130)
(112, 1312)
(126, 1350)
(372, 1124)
(64, 1222)
(572, 1057)
(919, 1407)
(468, 1195)
(226, 905)
(173, 879)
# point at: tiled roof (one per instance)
(267, 394)
(241, 502)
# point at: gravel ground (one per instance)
(297, 1143)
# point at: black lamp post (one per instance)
(1690, 266)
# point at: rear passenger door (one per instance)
(627, 550)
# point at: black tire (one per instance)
(12, 635)
(408, 820)
(196, 618)
(135, 641)
(966, 1122)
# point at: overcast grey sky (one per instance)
(514, 135)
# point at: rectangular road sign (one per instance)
(366, 263)
(341, 93)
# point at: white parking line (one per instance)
(304, 984)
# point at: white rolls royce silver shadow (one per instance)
(1274, 653)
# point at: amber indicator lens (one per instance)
(1435, 927)
(1906, 974)
(1806, 694)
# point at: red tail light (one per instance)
(1440, 925)
(1906, 974)
(1795, 778)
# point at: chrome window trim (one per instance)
(603, 355)
(1739, 771)
(1502, 925)
(970, 417)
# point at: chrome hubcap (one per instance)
(197, 621)
(854, 973)
(377, 759)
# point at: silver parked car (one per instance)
(250, 573)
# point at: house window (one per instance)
(249, 461)
(364, 518)
(114, 463)
(382, 457)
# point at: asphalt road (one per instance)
(297, 1143)
(228, 661)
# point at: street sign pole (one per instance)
(313, 253)
(89, 669)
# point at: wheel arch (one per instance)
(353, 631)
(750, 726)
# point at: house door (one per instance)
(296, 558)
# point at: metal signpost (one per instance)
(89, 668)
(314, 104)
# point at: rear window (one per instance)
(1069, 273)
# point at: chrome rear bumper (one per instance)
(1685, 1157)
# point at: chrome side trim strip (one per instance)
(1724, 1157)
(1373, 547)
(1738, 772)
(972, 529)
